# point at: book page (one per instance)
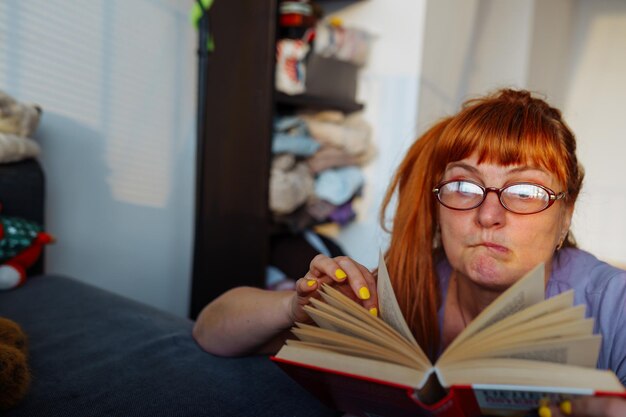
(360, 331)
(579, 351)
(575, 350)
(525, 372)
(369, 352)
(576, 328)
(337, 304)
(568, 322)
(529, 290)
(545, 313)
(369, 368)
(550, 333)
(388, 304)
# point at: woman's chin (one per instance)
(491, 274)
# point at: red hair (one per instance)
(508, 127)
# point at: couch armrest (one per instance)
(22, 193)
(22, 190)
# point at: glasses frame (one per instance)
(553, 196)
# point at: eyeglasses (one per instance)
(519, 197)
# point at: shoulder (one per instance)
(602, 288)
(587, 275)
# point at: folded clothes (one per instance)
(343, 214)
(337, 186)
(319, 209)
(291, 184)
(352, 135)
(296, 145)
(292, 124)
(334, 116)
(328, 157)
(292, 135)
(296, 221)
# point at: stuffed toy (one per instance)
(21, 243)
(17, 124)
(14, 372)
(17, 118)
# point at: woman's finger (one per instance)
(307, 285)
(590, 407)
(323, 265)
(372, 303)
(305, 289)
(344, 270)
(599, 407)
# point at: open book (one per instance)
(522, 349)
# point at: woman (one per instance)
(482, 197)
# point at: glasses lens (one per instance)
(525, 198)
(461, 195)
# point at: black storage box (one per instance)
(331, 78)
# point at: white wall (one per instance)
(472, 47)
(116, 80)
(595, 109)
(445, 51)
(388, 86)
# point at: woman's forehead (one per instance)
(472, 165)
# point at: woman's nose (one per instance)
(491, 212)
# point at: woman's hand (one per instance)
(346, 275)
(590, 407)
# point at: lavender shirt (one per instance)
(598, 285)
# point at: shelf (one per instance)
(317, 102)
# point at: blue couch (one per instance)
(94, 353)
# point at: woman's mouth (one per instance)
(494, 247)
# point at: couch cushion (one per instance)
(93, 353)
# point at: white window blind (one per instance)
(124, 69)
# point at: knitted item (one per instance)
(21, 244)
(17, 234)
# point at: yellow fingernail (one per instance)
(310, 282)
(374, 311)
(364, 293)
(544, 411)
(566, 407)
(340, 274)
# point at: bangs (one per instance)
(505, 134)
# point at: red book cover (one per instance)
(368, 397)
(372, 398)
